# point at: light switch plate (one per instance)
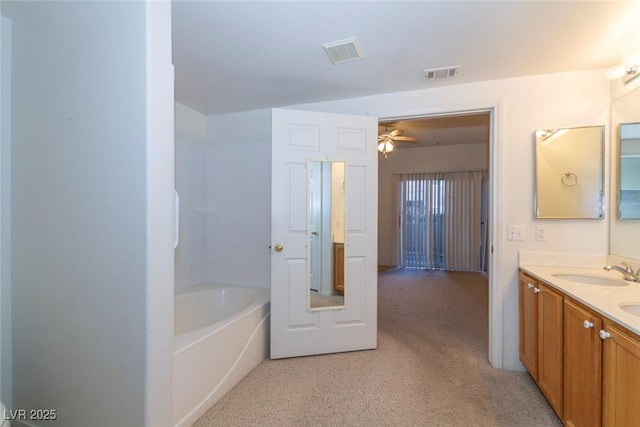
(515, 232)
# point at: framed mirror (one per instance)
(570, 173)
(629, 172)
(624, 234)
(326, 235)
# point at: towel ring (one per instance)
(569, 179)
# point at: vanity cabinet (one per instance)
(621, 377)
(338, 268)
(586, 365)
(582, 367)
(541, 337)
(602, 371)
(529, 324)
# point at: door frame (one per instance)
(495, 350)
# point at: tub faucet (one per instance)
(626, 270)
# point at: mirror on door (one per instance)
(326, 235)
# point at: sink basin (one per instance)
(587, 279)
(631, 308)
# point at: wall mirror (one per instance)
(624, 234)
(629, 172)
(570, 173)
(326, 235)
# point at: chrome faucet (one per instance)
(626, 270)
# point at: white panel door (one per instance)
(299, 136)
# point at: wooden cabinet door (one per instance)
(582, 367)
(528, 324)
(550, 350)
(621, 379)
(338, 268)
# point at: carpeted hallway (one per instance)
(430, 369)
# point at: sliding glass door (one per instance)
(421, 217)
(442, 220)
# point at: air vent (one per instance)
(442, 73)
(343, 50)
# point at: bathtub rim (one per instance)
(183, 341)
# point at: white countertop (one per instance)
(604, 300)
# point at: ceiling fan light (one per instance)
(385, 146)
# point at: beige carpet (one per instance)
(430, 369)
(319, 300)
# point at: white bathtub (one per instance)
(221, 334)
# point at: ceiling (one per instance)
(232, 56)
(441, 130)
(240, 55)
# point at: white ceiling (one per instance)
(442, 130)
(238, 55)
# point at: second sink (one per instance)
(590, 280)
(631, 308)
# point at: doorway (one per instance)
(452, 141)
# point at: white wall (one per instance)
(238, 199)
(82, 255)
(190, 148)
(451, 158)
(189, 255)
(190, 124)
(238, 214)
(223, 175)
(5, 212)
(525, 104)
(159, 185)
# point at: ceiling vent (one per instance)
(343, 50)
(442, 73)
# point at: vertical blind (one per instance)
(442, 220)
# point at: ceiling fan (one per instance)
(386, 140)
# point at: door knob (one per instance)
(315, 233)
(278, 247)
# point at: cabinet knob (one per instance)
(536, 290)
(529, 285)
(604, 334)
(587, 324)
